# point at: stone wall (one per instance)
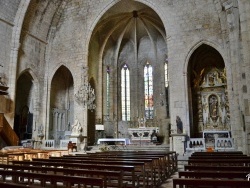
(56, 33)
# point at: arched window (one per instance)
(166, 87)
(166, 74)
(107, 89)
(125, 93)
(148, 91)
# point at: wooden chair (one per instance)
(72, 146)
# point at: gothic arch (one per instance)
(149, 3)
(197, 45)
(18, 22)
(27, 106)
(205, 62)
(61, 104)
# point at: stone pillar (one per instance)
(178, 143)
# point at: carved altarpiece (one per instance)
(213, 105)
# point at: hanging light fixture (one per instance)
(85, 95)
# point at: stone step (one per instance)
(98, 148)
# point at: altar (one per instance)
(143, 133)
(125, 141)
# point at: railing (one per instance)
(196, 144)
(48, 144)
(224, 144)
(220, 144)
(7, 133)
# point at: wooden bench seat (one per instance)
(181, 182)
(129, 174)
(220, 157)
(221, 162)
(15, 185)
(53, 179)
(149, 165)
(139, 166)
(155, 165)
(216, 168)
(170, 158)
(111, 178)
(224, 169)
(213, 174)
(218, 153)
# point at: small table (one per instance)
(126, 141)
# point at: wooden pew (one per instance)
(19, 176)
(216, 168)
(150, 163)
(181, 182)
(154, 164)
(170, 161)
(220, 157)
(139, 166)
(111, 178)
(218, 153)
(158, 166)
(205, 169)
(221, 162)
(213, 174)
(15, 185)
(129, 171)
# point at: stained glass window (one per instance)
(166, 87)
(108, 88)
(125, 93)
(148, 91)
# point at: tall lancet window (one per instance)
(166, 87)
(148, 91)
(107, 89)
(125, 93)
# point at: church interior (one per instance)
(163, 75)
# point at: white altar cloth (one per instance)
(126, 141)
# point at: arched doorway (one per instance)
(61, 104)
(25, 99)
(208, 100)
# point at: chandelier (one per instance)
(85, 95)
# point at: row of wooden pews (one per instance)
(105, 169)
(19, 153)
(215, 169)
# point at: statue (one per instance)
(76, 127)
(213, 107)
(142, 122)
(179, 125)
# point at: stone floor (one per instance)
(169, 182)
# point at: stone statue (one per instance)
(179, 125)
(76, 127)
(142, 122)
(213, 107)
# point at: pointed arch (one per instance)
(204, 62)
(27, 104)
(61, 103)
